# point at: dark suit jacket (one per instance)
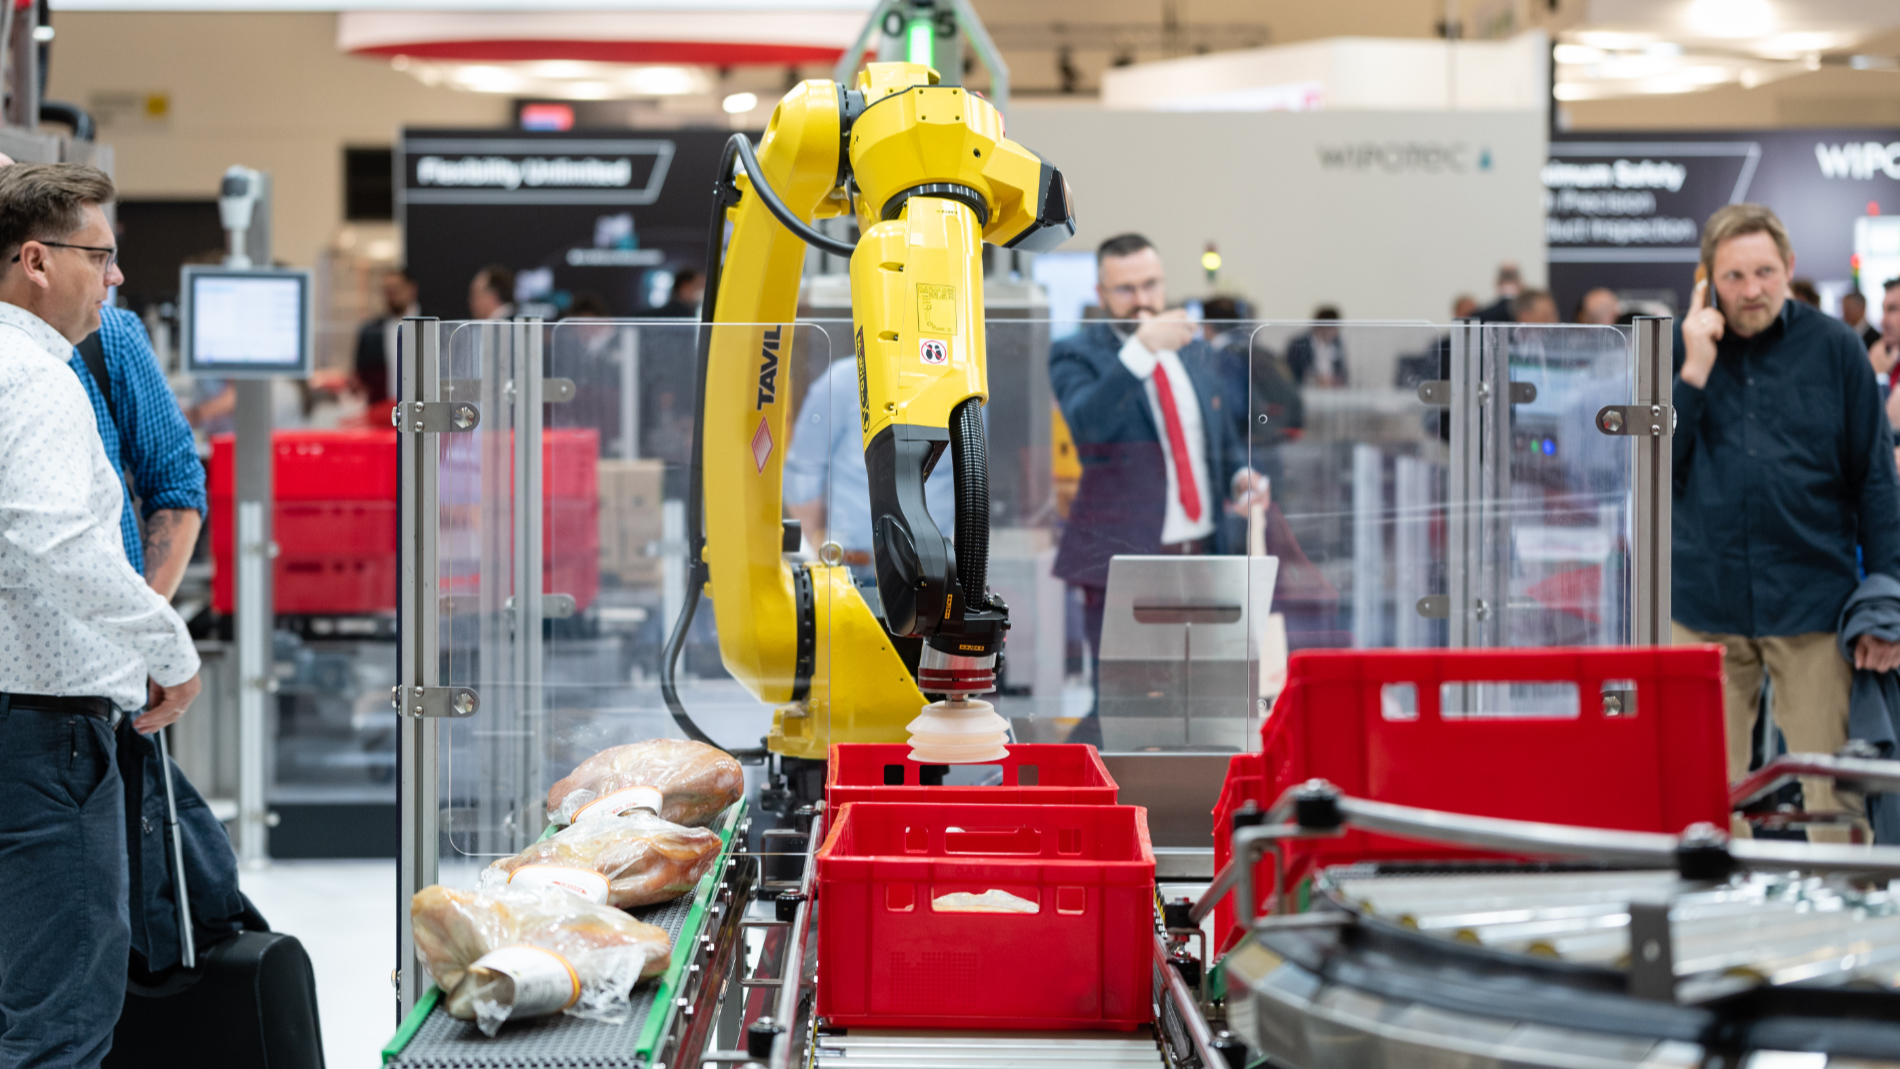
(1120, 505)
(372, 364)
(1299, 358)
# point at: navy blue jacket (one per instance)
(1120, 505)
(1783, 469)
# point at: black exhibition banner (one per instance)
(604, 217)
(1625, 210)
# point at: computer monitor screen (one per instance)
(247, 323)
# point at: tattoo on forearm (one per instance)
(162, 531)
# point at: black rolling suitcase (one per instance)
(248, 1002)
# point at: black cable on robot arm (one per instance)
(723, 197)
(805, 231)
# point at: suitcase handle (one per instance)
(187, 943)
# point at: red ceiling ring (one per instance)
(710, 53)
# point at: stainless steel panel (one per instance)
(1178, 789)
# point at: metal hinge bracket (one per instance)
(554, 391)
(435, 417)
(1438, 392)
(451, 702)
(553, 606)
(1435, 607)
(1637, 421)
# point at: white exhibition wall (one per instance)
(1389, 215)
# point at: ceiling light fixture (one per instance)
(564, 68)
(1614, 42)
(740, 103)
(663, 81)
(1731, 18)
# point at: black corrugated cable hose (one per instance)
(725, 194)
(970, 468)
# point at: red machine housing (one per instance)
(334, 520)
(1659, 767)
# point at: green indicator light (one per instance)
(921, 46)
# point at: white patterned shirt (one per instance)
(75, 619)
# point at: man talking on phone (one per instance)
(1784, 490)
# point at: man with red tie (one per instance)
(1160, 461)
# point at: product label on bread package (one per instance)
(617, 802)
(586, 883)
(544, 981)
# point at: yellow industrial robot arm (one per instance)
(927, 189)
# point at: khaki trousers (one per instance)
(1809, 704)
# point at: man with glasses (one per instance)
(1784, 496)
(150, 447)
(84, 641)
(1160, 460)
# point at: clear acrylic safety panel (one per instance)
(1442, 485)
(577, 671)
(1346, 544)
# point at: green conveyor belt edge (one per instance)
(411, 1024)
(656, 1022)
(689, 934)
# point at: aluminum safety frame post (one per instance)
(1368, 547)
(1655, 480)
(509, 812)
(1412, 484)
(1478, 495)
(418, 653)
(529, 724)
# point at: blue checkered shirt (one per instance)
(146, 434)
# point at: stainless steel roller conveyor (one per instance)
(1624, 949)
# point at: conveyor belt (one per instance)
(431, 1039)
(1436, 963)
(898, 1049)
(1773, 929)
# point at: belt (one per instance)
(78, 705)
(1192, 548)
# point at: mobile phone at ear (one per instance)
(1701, 276)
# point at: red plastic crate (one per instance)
(1083, 961)
(1659, 769)
(335, 524)
(1065, 774)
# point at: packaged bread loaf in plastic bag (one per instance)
(623, 861)
(694, 782)
(513, 953)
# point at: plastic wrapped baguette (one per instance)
(624, 861)
(517, 954)
(695, 782)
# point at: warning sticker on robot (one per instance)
(936, 308)
(933, 351)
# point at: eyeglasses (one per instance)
(111, 251)
(1130, 290)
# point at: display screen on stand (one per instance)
(247, 323)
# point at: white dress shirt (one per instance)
(1175, 525)
(75, 619)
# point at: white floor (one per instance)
(344, 912)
